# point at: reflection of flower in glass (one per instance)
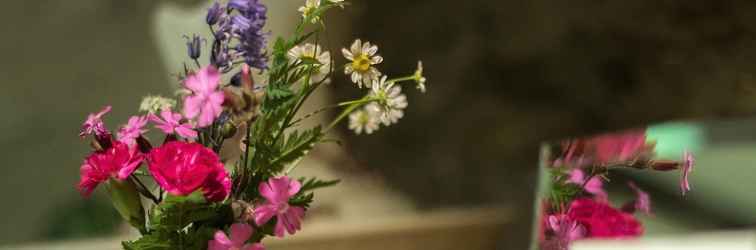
(687, 167)
(603, 221)
(593, 186)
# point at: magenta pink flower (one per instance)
(564, 231)
(641, 203)
(687, 167)
(240, 233)
(132, 130)
(594, 186)
(118, 162)
(171, 123)
(182, 168)
(206, 99)
(277, 192)
(94, 124)
(603, 221)
(622, 146)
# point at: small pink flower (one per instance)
(206, 99)
(118, 162)
(277, 191)
(603, 221)
(622, 146)
(171, 123)
(240, 233)
(94, 124)
(564, 230)
(132, 130)
(182, 168)
(641, 203)
(687, 167)
(594, 186)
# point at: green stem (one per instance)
(401, 79)
(352, 105)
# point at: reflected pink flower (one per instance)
(205, 102)
(641, 203)
(182, 168)
(132, 130)
(277, 192)
(687, 167)
(565, 231)
(622, 146)
(94, 124)
(594, 186)
(171, 123)
(240, 233)
(117, 162)
(603, 221)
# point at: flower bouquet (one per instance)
(574, 204)
(217, 176)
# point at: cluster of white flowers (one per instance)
(387, 103)
(155, 104)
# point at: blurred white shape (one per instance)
(728, 240)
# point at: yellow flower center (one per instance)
(361, 63)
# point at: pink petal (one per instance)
(269, 192)
(186, 131)
(264, 213)
(192, 106)
(255, 246)
(220, 242)
(294, 187)
(240, 232)
(280, 229)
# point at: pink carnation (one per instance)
(240, 233)
(94, 124)
(118, 162)
(277, 192)
(171, 124)
(205, 102)
(132, 130)
(182, 168)
(603, 221)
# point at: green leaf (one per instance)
(177, 212)
(149, 242)
(296, 146)
(312, 183)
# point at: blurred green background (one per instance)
(503, 76)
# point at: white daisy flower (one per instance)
(155, 104)
(363, 120)
(390, 102)
(363, 57)
(309, 8)
(313, 52)
(419, 78)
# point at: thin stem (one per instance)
(401, 79)
(145, 191)
(352, 106)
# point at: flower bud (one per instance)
(214, 14)
(194, 46)
(126, 200)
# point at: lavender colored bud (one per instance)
(214, 14)
(194, 46)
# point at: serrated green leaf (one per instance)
(312, 183)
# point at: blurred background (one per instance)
(503, 76)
